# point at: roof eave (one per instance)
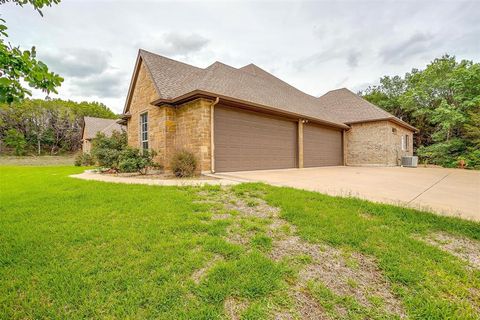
(393, 119)
(133, 81)
(200, 93)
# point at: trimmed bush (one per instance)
(183, 164)
(135, 160)
(107, 150)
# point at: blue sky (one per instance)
(316, 46)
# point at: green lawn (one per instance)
(72, 249)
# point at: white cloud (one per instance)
(77, 62)
(110, 84)
(315, 46)
(403, 50)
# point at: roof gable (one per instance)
(94, 125)
(349, 107)
(174, 79)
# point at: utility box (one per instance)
(410, 161)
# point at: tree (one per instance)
(18, 65)
(15, 139)
(49, 126)
(443, 102)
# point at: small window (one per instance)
(394, 130)
(144, 130)
(405, 142)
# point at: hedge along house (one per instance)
(247, 119)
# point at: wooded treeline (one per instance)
(443, 102)
(46, 126)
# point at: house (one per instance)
(94, 125)
(235, 119)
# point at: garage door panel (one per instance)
(253, 141)
(322, 146)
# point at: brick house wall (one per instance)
(394, 143)
(377, 143)
(143, 93)
(169, 128)
(193, 131)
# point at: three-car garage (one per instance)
(251, 140)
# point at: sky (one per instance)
(315, 46)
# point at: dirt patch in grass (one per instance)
(200, 273)
(463, 248)
(307, 306)
(345, 274)
(234, 308)
(251, 207)
(221, 216)
(352, 274)
(356, 276)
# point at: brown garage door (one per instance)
(247, 140)
(321, 146)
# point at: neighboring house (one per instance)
(247, 119)
(94, 125)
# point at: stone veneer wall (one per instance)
(170, 128)
(375, 144)
(144, 92)
(193, 131)
(394, 143)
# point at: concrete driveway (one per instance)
(447, 191)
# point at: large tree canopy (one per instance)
(21, 66)
(46, 126)
(443, 102)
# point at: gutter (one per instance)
(184, 98)
(393, 119)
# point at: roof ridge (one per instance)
(167, 58)
(267, 74)
(217, 64)
(90, 117)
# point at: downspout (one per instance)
(212, 140)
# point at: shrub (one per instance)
(16, 140)
(84, 159)
(184, 164)
(135, 160)
(107, 150)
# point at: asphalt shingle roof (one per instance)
(252, 84)
(94, 125)
(350, 107)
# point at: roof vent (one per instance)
(410, 161)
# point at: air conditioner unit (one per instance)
(410, 161)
